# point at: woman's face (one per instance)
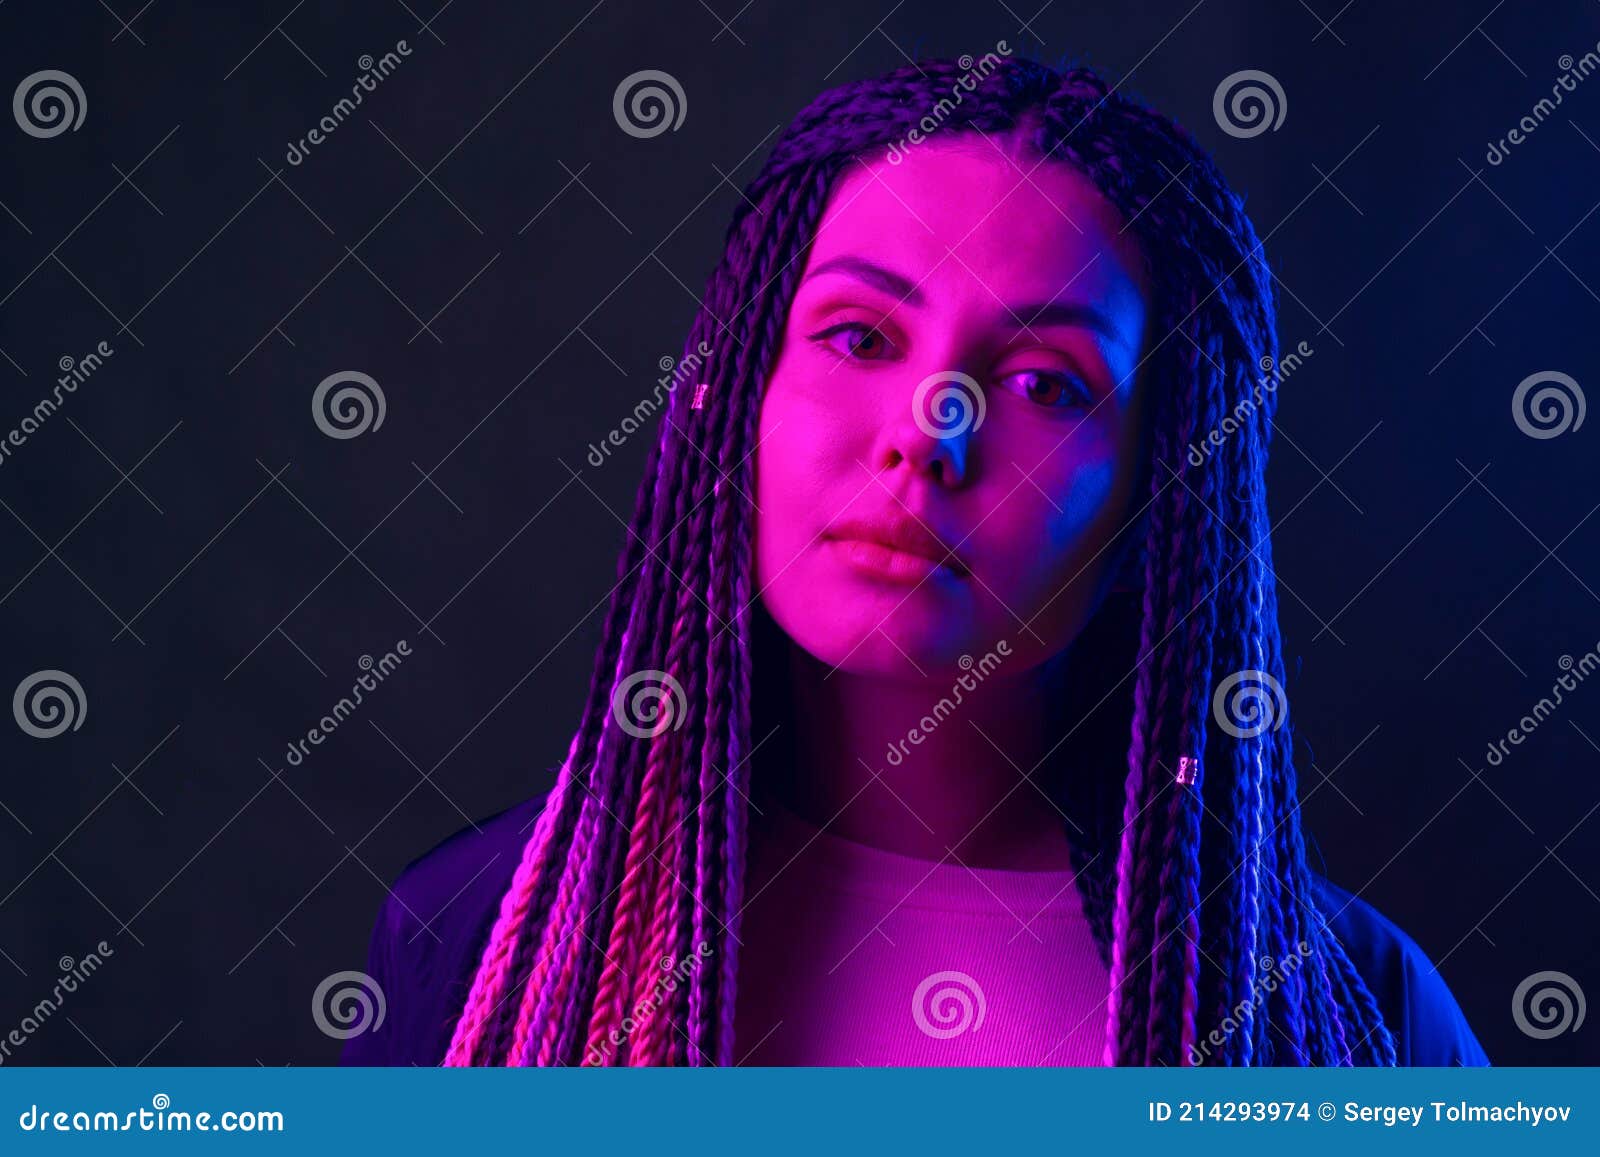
(957, 367)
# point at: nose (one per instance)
(932, 427)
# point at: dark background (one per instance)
(185, 542)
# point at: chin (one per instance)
(880, 634)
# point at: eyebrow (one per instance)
(874, 275)
(1020, 317)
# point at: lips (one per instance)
(887, 541)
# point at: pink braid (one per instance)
(627, 933)
(560, 946)
(494, 969)
(649, 1043)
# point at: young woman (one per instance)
(938, 717)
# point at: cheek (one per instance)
(1090, 488)
(1047, 536)
(812, 433)
(798, 460)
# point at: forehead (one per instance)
(961, 213)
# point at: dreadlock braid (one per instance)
(617, 941)
(1174, 996)
(1126, 934)
(1171, 972)
(482, 1030)
(626, 959)
(570, 986)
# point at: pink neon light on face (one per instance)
(1028, 491)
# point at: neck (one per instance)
(960, 791)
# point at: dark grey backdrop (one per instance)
(485, 242)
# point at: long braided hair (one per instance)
(1197, 885)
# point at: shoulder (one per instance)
(1428, 1024)
(430, 932)
(479, 850)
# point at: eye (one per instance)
(1056, 389)
(860, 342)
